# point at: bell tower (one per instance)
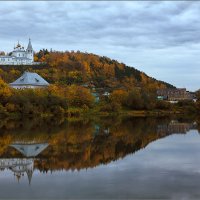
(29, 51)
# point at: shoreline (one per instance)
(93, 113)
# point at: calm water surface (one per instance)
(143, 158)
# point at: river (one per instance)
(104, 158)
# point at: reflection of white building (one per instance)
(30, 149)
(29, 80)
(19, 56)
(20, 166)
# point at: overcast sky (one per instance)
(160, 38)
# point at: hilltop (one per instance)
(80, 68)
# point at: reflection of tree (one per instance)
(84, 144)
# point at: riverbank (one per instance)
(76, 113)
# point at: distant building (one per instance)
(29, 80)
(106, 94)
(96, 96)
(19, 56)
(174, 94)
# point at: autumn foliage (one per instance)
(78, 68)
(54, 100)
(73, 77)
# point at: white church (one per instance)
(19, 56)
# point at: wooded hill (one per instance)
(83, 68)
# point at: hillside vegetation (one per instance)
(75, 78)
(83, 68)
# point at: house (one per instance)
(174, 94)
(106, 94)
(19, 56)
(96, 96)
(29, 80)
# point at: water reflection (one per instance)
(29, 149)
(175, 127)
(83, 144)
(18, 166)
(60, 146)
(22, 166)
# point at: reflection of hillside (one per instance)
(87, 144)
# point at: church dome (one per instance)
(18, 45)
(19, 48)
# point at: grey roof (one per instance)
(30, 150)
(29, 78)
(29, 45)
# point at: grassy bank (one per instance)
(76, 113)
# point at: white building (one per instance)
(19, 56)
(29, 80)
